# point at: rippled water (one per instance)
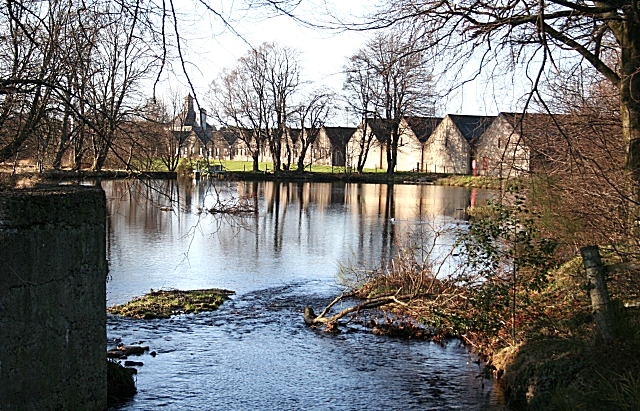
(255, 353)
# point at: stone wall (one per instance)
(53, 272)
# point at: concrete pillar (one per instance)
(53, 272)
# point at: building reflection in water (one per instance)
(302, 230)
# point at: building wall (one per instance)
(53, 272)
(409, 150)
(447, 151)
(501, 151)
(320, 152)
(376, 157)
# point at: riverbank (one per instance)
(557, 361)
(321, 177)
(25, 177)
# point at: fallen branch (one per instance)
(311, 319)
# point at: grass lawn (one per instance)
(232, 165)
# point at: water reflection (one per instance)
(301, 231)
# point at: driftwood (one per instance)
(310, 318)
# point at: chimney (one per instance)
(203, 118)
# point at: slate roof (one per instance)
(471, 127)
(423, 127)
(381, 129)
(294, 133)
(339, 136)
(531, 119)
(229, 136)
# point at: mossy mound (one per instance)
(164, 304)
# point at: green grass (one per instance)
(233, 165)
(164, 304)
(237, 166)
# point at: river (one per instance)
(255, 353)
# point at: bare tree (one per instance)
(358, 88)
(281, 65)
(257, 97)
(393, 66)
(310, 116)
(239, 101)
(67, 73)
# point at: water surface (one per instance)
(255, 352)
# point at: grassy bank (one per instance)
(493, 183)
(558, 363)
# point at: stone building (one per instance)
(502, 150)
(338, 138)
(452, 146)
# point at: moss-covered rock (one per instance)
(164, 304)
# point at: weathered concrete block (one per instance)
(53, 272)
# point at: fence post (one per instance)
(600, 303)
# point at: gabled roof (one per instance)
(380, 128)
(182, 135)
(339, 136)
(471, 127)
(294, 134)
(228, 135)
(423, 127)
(186, 123)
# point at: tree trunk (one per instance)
(627, 33)
(256, 164)
(303, 154)
(600, 302)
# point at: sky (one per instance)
(212, 46)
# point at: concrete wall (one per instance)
(52, 299)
